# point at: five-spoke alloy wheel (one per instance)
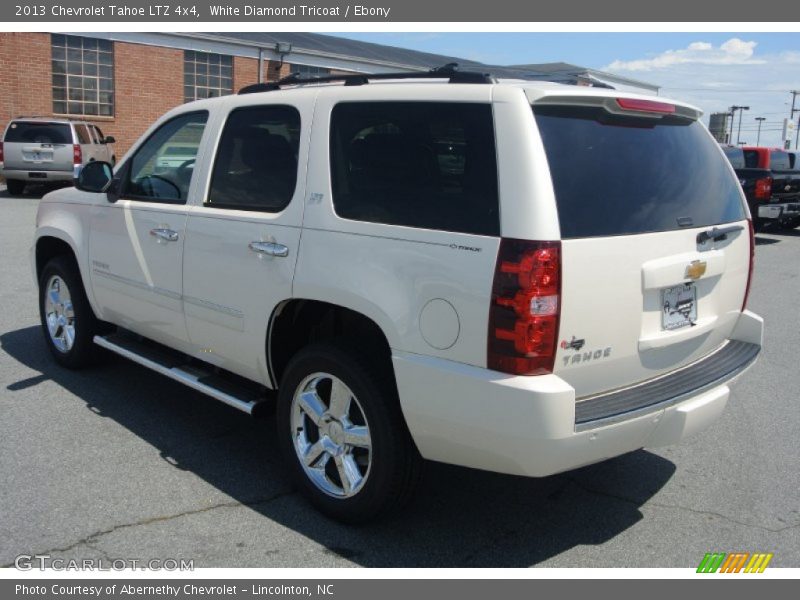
(68, 322)
(342, 433)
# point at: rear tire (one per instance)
(342, 434)
(68, 322)
(16, 187)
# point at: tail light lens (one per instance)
(77, 154)
(525, 307)
(763, 189)
(752, 263)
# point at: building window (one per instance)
(306, 71)
(83, 76)
(206, 75)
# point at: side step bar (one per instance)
(167, 363)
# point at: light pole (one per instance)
(739, 130)
(760, 120)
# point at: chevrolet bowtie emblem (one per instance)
(696, 269)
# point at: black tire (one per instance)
(16, 187)
(83, 351)
(394, 462)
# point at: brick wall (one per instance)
(25, 87)
(148, 81)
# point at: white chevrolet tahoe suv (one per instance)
(521, 277)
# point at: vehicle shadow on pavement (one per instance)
(459, 518)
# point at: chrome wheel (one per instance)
(59, 314)
(331, 435)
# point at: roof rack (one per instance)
(48, 117)
(449, 71)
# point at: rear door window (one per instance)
(34, 132)
(615, 175)
(430, 165)
(256, 163)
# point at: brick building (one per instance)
(123, 81)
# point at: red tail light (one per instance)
(2, 157)
(752, 264)
(525, 308)
(645, 105)
(763, 188)
(77, 154)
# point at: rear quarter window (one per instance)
(616, 175)
(429, 165)
(33, 132)
(736, 157)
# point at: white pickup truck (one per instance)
(518, 277)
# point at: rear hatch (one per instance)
(38, 146)
(644, 289)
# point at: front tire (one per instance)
(342, 434)
(15, 187)
(68, 322)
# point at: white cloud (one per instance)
(714, 78)
(732, 52)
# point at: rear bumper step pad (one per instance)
(662, 392)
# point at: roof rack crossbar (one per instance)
(449, 71)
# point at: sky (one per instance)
(710, 70)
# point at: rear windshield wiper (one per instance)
(717, 233)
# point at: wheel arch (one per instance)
(297, 322)
(51, 242)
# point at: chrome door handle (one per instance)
(269, 248)
(168, 235)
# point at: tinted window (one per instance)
(735, 156)
(421, 164)
(620, 175)
(751, 159)
(779, 161)
(32, 132)
(256, 164)
(152, 176)
(83, 134)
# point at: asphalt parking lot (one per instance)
(118, 462)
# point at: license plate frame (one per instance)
(678, 306)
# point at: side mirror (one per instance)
(109, 139)
(95, 177)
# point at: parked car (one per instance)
(572, 291)
(756, 182)
(50, 150)
(783, 207)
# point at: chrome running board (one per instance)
(167, 362)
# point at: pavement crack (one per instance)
(92, 538)
(638, 504)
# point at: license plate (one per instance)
(679, 306)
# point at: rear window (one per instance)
(430, 165)
(34, 132)
(617, 175)
(751, 159)
(736, 157)
(779, 161)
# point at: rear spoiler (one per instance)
(640, 107)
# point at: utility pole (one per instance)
(788, 143)
(760, 120)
